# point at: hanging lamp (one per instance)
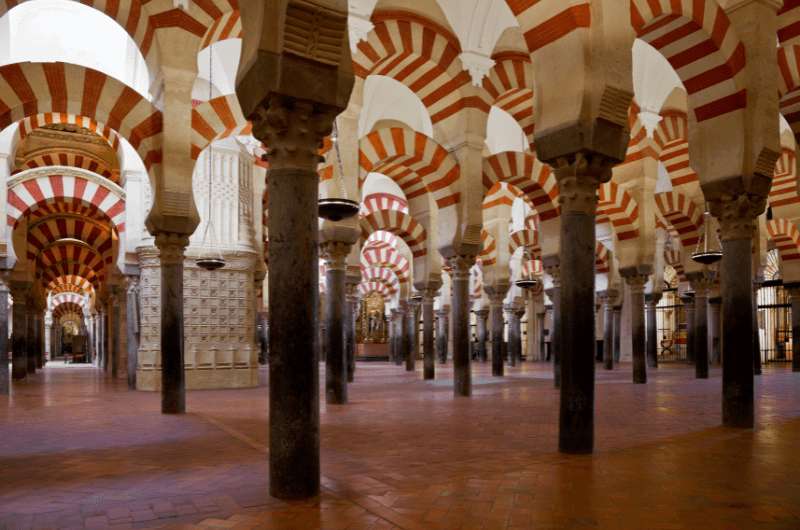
(527, 283)
(211, 259)
(338, 208)
(708, 250)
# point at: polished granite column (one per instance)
(701, 283)
(514, 335)
(30, 335)
(132, 328)
(650, 303)
(607, 298)
(688, 307)
(636, 278)
(411, 335)
(496, 296)
(428, 352)
(480, 324)
(462, 376)
(116, 331)
(715, 304)
(351, 290)
(334, 254)
(441, 335)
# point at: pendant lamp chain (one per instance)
(340, 167)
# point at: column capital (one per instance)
(483, 313)
(292, 129)
(736, 214)
(460, 265)
(636, 277)
(171, 247)
(701, 282)
(608, 296)
(578, 176)
(335, 254)
(429, 294)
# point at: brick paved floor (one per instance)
(80, 451)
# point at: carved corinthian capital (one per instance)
(171, 247)
(736, 214)
(460, 266)
(578, 178)
(335, 254)
(292, 129)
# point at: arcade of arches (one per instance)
(392, 264)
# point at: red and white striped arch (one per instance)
(381, 239)
(215, 119)
(601, 259)
(367, 288)
(381, 274)
(74, 298)
(388, 257)
(544, 22)
(509, 85)
(616, 206)
(67, 309)
(51, 229)
(789, 85)
(672, 134)
(682, 215)
(698, 41)
(531, 268)
(789, 22)
(383, 201)
(525, 238)
(525, 172)
(400, 224)
(784, 191)
(488, 254)
(29, 89)
(501, 194)
(423, 56)
(414, 161)
(672, 257)
(71, 159)
(65, 258)
(33, 189)
(76, 283)
(786, 237)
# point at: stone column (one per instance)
(115, 331)
(5, 382)
(37, 336)
(650, 304)
(400, 334)
(514, 332)
(351, 290)
(617, 332)
(606, 297)
(496, 296)
(462, 376)
(441, 335)
(411, 335)
(579, 177)
(132, 328)
(428, 354)
(30, 345)
(103, 339)
(293, 129)
(173, 380)
(552, 268)
(715, 304)
(756, 336)
(701, 282)
(334, 253)
(480, 324)
(540, 334)
(688, 305)
(736, 217)
(635, 278)
(794, 295)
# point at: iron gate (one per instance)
(774, 323)
(671, 327)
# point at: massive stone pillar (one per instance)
(579, 178)
(736, 217)
(635, 278)
(794, 295)
(607, 298)
(412, 337)
(480, 325)
(5, 382)
(441, 335)
(462, 375)
(496, 296)
(514, 334)
(650, 304)
(334, 253)
(688, 307)
(551, 266)
(701, 282)
(428, 353)
(715, 304)
(132, 328)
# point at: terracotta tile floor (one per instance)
(78, 451)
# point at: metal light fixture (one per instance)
(211, 259)
(708, 250)
(338, 208)
(527, 283)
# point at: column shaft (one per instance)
(441, 336)
(756, 337)
(496, 314)
(132, 330)
(173, 383)
(428, 354)
(480, 321)
(617, 332)
(795, 298)
(116, 332)
(30, 345)
(411, 338)
(335, 361)
(701, 334)
(608, 334)
(462, 376)
(651, 302)
(5, 382)
(690, 328)
(636, 280)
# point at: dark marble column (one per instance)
(480, 320)
(617, 332)
(635, 278)
(579, 177)
(31, 336)
(173, 384)
(736, 216)
(132, 328)
(540, 334)
(514, 335)
(701, 283)
(428, 353)
(462, 376)
(412, 324)
(351, 288)
(5, 375)
(688, 307)
(496, 296)
(334, 253)
(607, 298)
(715, 304)
(392, 325)
(551, 266)
(400, 334)
(115, 331)
(794, 294)
(441, 335)
(756, 338)
(104, 339)
(650, 304)
(38, 333)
